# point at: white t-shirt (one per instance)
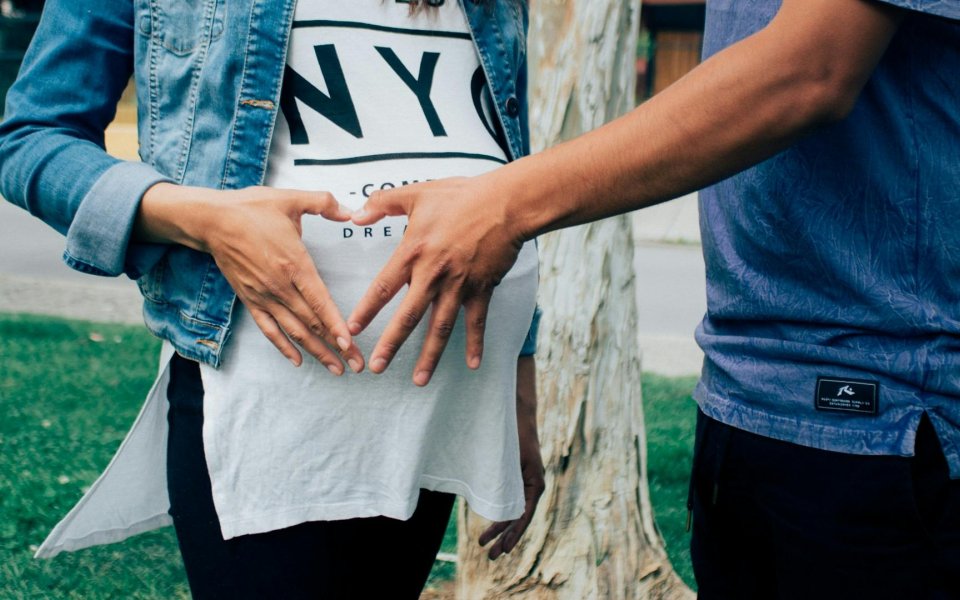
(374, 97)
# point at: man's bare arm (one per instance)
(741, 106)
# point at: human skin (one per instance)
(254, 236)
(741, 106)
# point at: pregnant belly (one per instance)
(348, 258)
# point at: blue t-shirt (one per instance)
(833, 269)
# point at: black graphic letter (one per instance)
(420, 85)
(478, 88)
(338, 106)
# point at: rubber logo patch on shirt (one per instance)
(847, 395)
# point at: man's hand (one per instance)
(254, 235)
(739, 107)
(508, 533)
(458, 245)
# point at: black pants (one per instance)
(358, 558)
(776, 520)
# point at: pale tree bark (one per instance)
(593, 536)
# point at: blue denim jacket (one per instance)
(208, 77)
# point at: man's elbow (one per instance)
(830, 97)
(834, 98)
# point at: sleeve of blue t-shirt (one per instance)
(949, 9)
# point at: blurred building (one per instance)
(671, 41)
(18, 21)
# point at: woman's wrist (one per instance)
(174, 214)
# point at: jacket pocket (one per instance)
(182, 26)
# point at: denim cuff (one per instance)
(98, 241)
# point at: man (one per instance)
(828, 447)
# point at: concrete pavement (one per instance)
(670, 284)
(33, 279)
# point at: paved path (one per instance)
(33, 279)
(671, 302)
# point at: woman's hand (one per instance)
(508, 533)
(254, 235)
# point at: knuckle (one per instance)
(443, 267)
(408, 318)
(289, 269)
(443, 329)
(297, 335)
(479, 321)
(481, 287)
(317, 326)
(390, 348)
(383, 291)
(272, 289)
(417, 248)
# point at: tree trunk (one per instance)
(594, 534)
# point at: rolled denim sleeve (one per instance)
(52, 157)
(98, 240)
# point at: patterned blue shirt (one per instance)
(833, 269)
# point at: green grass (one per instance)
(69, 391)
(671, 415)
(66, 402)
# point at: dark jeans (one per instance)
(358, 558)
(777, 520)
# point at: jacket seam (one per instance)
(198, 63)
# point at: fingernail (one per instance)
(474, 362)
(378, 364)
(335, 369)
(360, 213)
(422, 378)
(343, 343)
(354, 364)
(354, 328)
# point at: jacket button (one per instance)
(513, 107)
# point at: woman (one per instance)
(255, 120)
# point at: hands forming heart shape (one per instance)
(458, 245)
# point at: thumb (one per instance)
(385, 203)
(323, 204)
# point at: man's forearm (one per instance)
(736, 109)
(741, 106)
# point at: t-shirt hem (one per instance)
(797, 431)
(273, 520)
